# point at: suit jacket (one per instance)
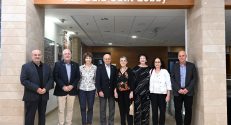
(30, 80)
(103, 83)
(61, 78)
(190, 80)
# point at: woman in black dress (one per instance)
(141, 92)
(124, 91)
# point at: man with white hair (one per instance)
(66, 75)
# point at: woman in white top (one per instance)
(87, 89)
(160, 86)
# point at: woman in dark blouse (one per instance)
(141, 92)
(124, 91)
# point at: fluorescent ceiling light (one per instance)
(134, 37)
(109, 44)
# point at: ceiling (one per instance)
(153, 27)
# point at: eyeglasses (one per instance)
(158, 62)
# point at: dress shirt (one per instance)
(68, 68)
(160, 82)
(182, 75)
(108, 69)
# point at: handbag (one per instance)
(131, 108)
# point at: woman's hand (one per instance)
(131, 95)
(167, 99)
(115, 94)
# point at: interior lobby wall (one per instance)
(52, 33)
(131, 53)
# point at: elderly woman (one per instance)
(124, 91)
(87, 89)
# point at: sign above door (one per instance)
(114, 4)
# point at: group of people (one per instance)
(139, 86)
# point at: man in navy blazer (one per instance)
(105, 84)
(66, 75)
(36, 77)
(184, 78)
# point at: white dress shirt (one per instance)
(160, 82)
(108, 69)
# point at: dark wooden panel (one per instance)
(131, 53)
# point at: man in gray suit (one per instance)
(105, 84)
(36, 77)
(184, 78)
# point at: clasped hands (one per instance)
(68, 88)
(183, 91)
(41, 91)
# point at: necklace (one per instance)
(123, 69)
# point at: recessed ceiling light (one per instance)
(134, 37)
(109, 44)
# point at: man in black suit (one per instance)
(105, 84)
(184, 78)
(36, 77)
(66, 75)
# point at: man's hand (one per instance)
(70, 87)
(40, 91)
(44, 91)
(185, 91)
(181, 91)
(101, 94)
(65, 88)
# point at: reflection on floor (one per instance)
(52, 117)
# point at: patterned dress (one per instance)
(141, 95)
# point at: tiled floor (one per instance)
(52, 118)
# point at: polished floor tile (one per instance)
(52, 117)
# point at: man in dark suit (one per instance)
(105, 84)
(66, 75)
(184, 78)
(36, 77)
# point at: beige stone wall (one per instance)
(12, 54)
(34, 28)
(22, 31)
(206, 48)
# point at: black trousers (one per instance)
(31, 108)
(158, 102)
(178, 102)
(124, 104)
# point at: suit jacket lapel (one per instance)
(44, 74)
(186, 74)
(72, 70)
(111, 68)
(178, 72)
(64, 69)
